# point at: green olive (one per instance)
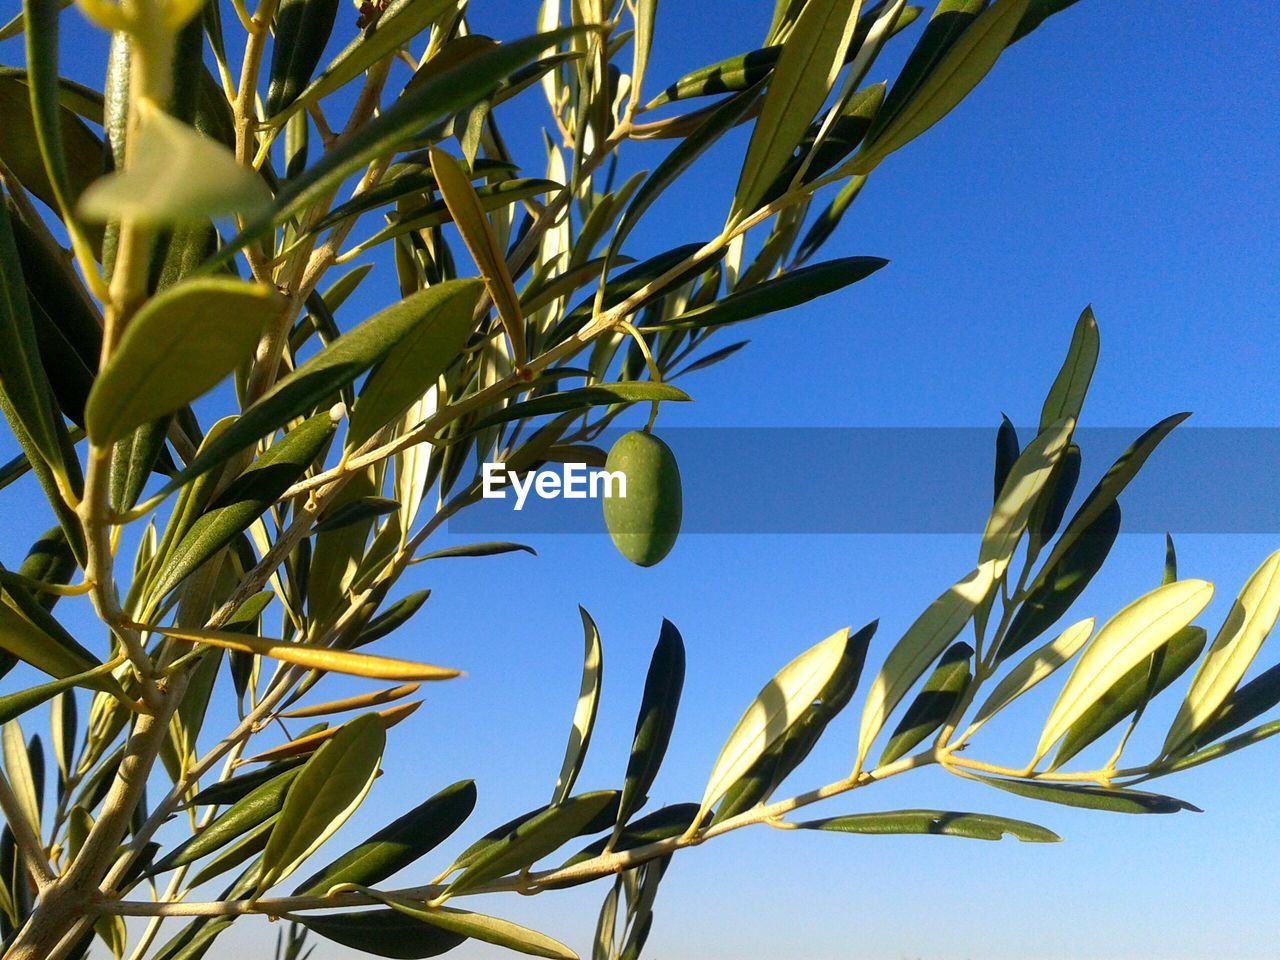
(645, 522)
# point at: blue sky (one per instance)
(1124, 155)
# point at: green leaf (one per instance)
(1237, 643)
(177, 347)
(1007, 451)
(1123, 642)
(1036, 666)
(23, 381)
(315, 381)
(175, 176)
(482, 242)
(243, 501)
(477, 926)
(778, 706)
(966, 61)
(1245, 705)
(1112, 799)
(1134, 690)
(1027, 479)
(974, 826)
(360, 510)
(1246, 739)
(45, 651)
(584, 713)
(384, 933)
(399, 844)
(420, 357)
(16, 704)
(532, 839)
(920, 646)
(21, 776)
(327, 790)
(401, 21)
(391, 619)
(658, 707)
(302, 30)
(580, 398)
(1066, 396)
(440, 96)
(47, 111)
(1058, 587)
(807, 67)
(487, 549)
(781, 293)
(410, 182)
(1109, 487)
(933, 704)
(1037, 13)
(256, 807)
(20, 146)
(791, 750)
(240, 786)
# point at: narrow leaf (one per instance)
(658, 706)
(1126, 640)
(920, 646)
(327, 790)
(177, 347)
(974, 826)
(584, 713)
(775, 709)
(1237, 643)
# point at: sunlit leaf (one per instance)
(327, 790)
(771, 714)
(944, 823)
(1237, 643)
(1123, 642)
(920, 646)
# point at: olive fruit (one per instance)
(645, 522)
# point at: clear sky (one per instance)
(1124, 155)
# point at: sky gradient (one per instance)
(1125, 155)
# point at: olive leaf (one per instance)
(1133, 691)
(326, 791)
(956, 73)
(419, 358)
(922, 644)
(307, 655)
(1066, 396)
(177, 347)
(658, 706)
(945, 823)
(400, 843)
(1111, 799)
(584, 712)
(384, 933)
(1023, 487)
(1126, 640)
(1036, 666)
(302, 30)
(933, 704)
(530, 839)
(772, 713)
(177, 176)
(1248, 623)
(477, 926)
(806, 69)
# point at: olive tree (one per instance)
(179, 251)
